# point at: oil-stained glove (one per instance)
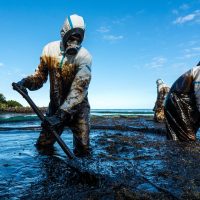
(52, 121)
(56, 120)
(20, 84)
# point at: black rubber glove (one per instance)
(21, 86)
(56, 120)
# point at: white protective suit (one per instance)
(69, 77)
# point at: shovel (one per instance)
(41, 116)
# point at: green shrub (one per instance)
(12, 103)
(2, 98)
(3, 105)
(8, 104)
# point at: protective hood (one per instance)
(159, 81)
(160, 84)
(73, 25)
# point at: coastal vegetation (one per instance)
(4, 104)
(12, 106)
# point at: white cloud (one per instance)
(157, 62)
(196, 48)
(195, 17)
(113, 38)
(184, 7)
(182, 20)
(191, 52)
(103, 29)
(108, 32)
(1, 64)
(180, 9)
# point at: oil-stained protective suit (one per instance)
(182, 107)
(69, 77)
(162, 91)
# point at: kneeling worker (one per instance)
(182, 106)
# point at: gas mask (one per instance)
(72, 47)
(72, 44)
(72, 34)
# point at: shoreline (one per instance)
(26, 110)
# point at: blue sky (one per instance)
(133, 42)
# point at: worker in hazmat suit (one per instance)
(182, 106)
(162, 91)
(68, 66)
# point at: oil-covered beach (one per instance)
(131, 159)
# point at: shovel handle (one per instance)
(41, 116)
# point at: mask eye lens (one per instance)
(74, 37)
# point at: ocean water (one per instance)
(122, 112)
(17, 119)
